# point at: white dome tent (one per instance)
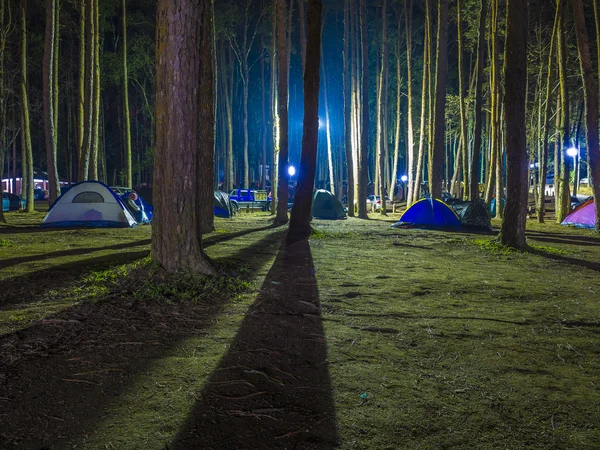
(88, 204)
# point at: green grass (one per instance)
(434, 339)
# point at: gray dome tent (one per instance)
(326, 206)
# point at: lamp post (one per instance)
(573, 152)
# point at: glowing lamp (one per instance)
(404, 178)
(291, 171)
(572, 152)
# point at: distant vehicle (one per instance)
(374, 203)
(15, 202)
(584, 181)
(250, 198)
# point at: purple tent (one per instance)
(584, 216)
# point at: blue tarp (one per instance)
(429, 213)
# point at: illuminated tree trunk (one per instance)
(543, 155)
(408, 4)
(348, 113)
(126, 118)
(363, 166)
(398, 121)
(50, 126)
(327, 129)
(591, 103)
(283, 61)
(381, 113)
(301, 213)
(86, 153)
(274, 174)
(513, 225)
(439, 139)
(81, 85)
(562, 207)
(265, 130)
(426, 69)
(26, 148)
(494, 119)
(95, 149)
(4, 26)
(464, 141)
(184, 129)
(229, 106)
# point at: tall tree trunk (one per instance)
(563, 186)
(462, 94)
(4, 26)
(184, 126)
(348, 129)
(302, 33)
(301, 213)
(50, 124)
(327, 127)
(513, 225)
(398, 123)
(591, 103)
(363, 166)
(229, 108)
(381, 113)
(476, 155)
(265, 130)
(274, 175)
(94, 153)
(439, 140)
(282, 200)
(26, 148)
(426, 70)
(81, 86)
(84, 162)
(543, 156)
(126, 118)
(408, 4)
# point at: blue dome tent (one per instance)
(429, 213)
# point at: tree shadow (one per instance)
(78, 251)
(272, 389)
(59, 376)
(558, 238)
(30, 287)
(216, 239)
(565, 259)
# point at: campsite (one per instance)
(415, 338)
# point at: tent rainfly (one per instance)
(428, 213)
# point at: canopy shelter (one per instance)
(89, 204)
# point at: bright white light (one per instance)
(404, 178)
(532, 166)
(321, 123)
(291, 171)
(572, 152)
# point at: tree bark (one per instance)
(381, 113)
(515, 216)
(26, 147)
(591, 103)
(462, 94)
(421, 155)
(327, 128)
(543, 156)
(408, 4)
(275, 111)
(398, 123)
(50, 124)
(183, 122)
(86, 154)
(283, 62)
(126, 119)
(301, 213)
(363, 166)
(563, 202)
(439, 140)
(81, 85)
(348, 129)
(4, 26)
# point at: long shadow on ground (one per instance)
(58, 376)
(72, 252)
(272, 389)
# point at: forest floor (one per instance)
(362, 337)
